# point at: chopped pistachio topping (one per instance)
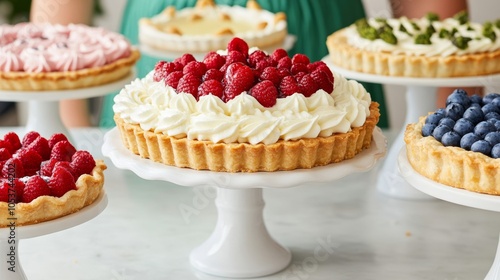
(469, 28)
(462, 17)
(369, 33)
(461, 42)
(432, 17)
(497, 23)
(381, 20)
(430, 29)
(389, 37)
(423, 39)
(415, 26)
(488, 31)
(444, 33)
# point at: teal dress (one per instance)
(310, 20)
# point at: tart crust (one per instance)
(244, 157)
(69, 80)
(46, 208)
(452, 166)
(382, 63)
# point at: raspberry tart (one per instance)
(209, 27)
(424, 47)
(242, 110)
(44, 179)
(459, 145)
(52, 57)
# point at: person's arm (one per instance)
(74, 113)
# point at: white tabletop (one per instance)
(342, 230)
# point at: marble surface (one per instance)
(340, 230)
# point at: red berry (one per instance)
(298, 67)
(214, 60)
(61, 182)
(30, 160)
(285, 63)
(265, 92)
(321, 78)
(62, 151)
(66, 165)
(307, 85)
(47, 166)
(263, 64)
(158, 71)
(196, 68)
(13, 139)
(82, 163)
(213, 74)
(13, 167)
(11, 190)
(255, 57)
(240, 76)
(284, 73)
(185, 59)
(211, 87)
(231, 91)
(173, 79)
(189, 83)
(41, 146)
(327, 71)
(313, 65)
(4, 191)
(57, 137)
(34, 188)
(289, 86)
(235, 56)
(30, 137)
(6, 145)
(271, 74)
(239, 45)
(300, 58)
(4, 154)
(278, 54)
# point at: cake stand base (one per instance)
(494, 273)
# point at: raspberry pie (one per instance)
(45, 178)
(242, 110)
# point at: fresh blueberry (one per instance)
(476, 105)
(455, 111)
(492, 121)
(433, 118)
(440, 111)
(474, 114)
(492, 115)
(463, 126)
(497, 125)
(451, 138)
(428, 129)
(490, 107)
(493, 138)
(458, 96)
(468, 139)
(495, 151)
(496, 102)
(439, 131)
(481, 146)
(476, 99)
(484, 128)
(447, 121)
(489, 97)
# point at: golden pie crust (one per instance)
(382, 63)
(244, 157)
(452, 166)
(69, 80)
(46, 208)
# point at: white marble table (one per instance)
(344, 230)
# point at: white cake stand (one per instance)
(161, 54)
(454, 195)
(10, 238)
(43, 106)
(240, 245)
(420, 100)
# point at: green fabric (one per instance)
(310, 20)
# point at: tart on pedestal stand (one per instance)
(240, 245)
(420, 100)
(453, 195)
(10, 268)
(43, 106)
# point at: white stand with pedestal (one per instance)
(43, 106)
(10, 262)
(240, 246)
(453, 195)
(420, 100)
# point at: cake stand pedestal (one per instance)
(240, 246)
(163, 54)
(10, 262)
(43, 106)
(420, 100)
(453, 195)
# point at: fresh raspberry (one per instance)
(265, 92)
(5, 190)
(19, 185)
(235, 56)
(327, 71)
(56, 137)
(185, 59)
(47, 166)
(307, 85)
(4, 154)
(321, 78)
(159, 65)
(284, 73)
(30, 137)
(196, 68)
(13, 167)
(289, 86)
(41, 146)
(34, 188)
(239, 76)
(159, 74)
(211, 87)
(6, 145)
(189, 83)
(214, 60)
(13, 139)
(271, 74)
(82, 162)
(30, 160)
(285, 63)
(66, 165)
(255, 57)
(62, 151)
(313, 65)
(299, 76)
(173, 79)
(239, 45)
(297, 68)
(278, 54)
(300, 58)
(263, 64)
(213, 74)
(61, 182)
(231, 91)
